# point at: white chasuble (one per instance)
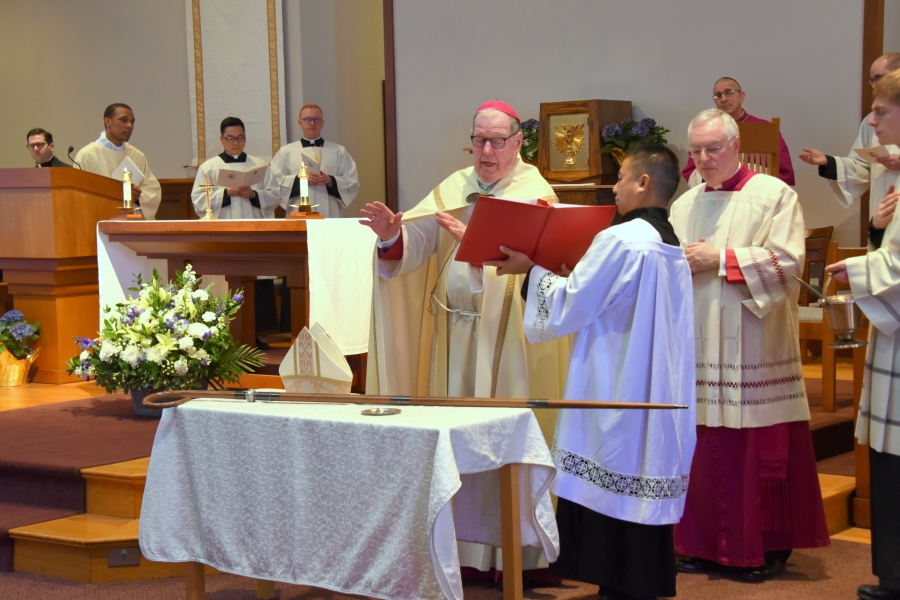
(856, 176)
(103, 161)
(238, 207)
(749, 372)
(875, 282)
(418, 347)
(333, 159)
(629, 304)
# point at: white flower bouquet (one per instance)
(171, 336)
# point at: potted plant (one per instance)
(16, 356)
(169, 337)
(530, 130)
(618, 138)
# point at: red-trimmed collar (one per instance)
(736, 182)
(743, 117)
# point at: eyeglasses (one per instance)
(231, 140)
(311, 120)
(37, 146)
(729, 93)
(874, 80)
(696, 153)
(496, 143)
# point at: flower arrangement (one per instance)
(171, 336)
(15, 334)
(620, 137)
(529, 149)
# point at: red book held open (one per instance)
(550, 234)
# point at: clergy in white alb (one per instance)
(622, 475)
(875, 283)
(106, 154)
(333, 181)
(245, 202)
(850, 176)
(445, 328)
(754, 467)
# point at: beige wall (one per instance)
(62, 63)
(892, 25)
(342, 56)
(796, 60)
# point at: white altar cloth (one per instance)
(320, 495)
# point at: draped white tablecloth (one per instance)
(320, 495)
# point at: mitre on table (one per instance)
(315, 365)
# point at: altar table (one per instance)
(320, 495)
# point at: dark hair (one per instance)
(661, 164)
(111, 109)
(48, 137)
(231, 122)
(721, 79)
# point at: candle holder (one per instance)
(128, 210)
(304, 208)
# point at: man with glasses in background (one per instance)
(333, 182)
(40, 144)
(447, 328)
(729, 98)
(851, 176)
(754, 492)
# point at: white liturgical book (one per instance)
(872, 154)
(312, 158)
(230, 178)
(136, 176)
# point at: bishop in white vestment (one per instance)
(106, 154)
(622, 475)
(850, 176)
(754, 491)
(247, 202)
(875, 283)
(333, 181)
(445, 328)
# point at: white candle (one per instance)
(304, 185)
(126, 191)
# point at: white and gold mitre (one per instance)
(314, 365)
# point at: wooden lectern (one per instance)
(48, 255)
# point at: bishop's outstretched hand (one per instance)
(382, 220)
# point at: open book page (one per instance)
(232, 178)
(136, 176)
(872, 154)
(312, 158)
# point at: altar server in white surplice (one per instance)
(105, 155)
(875, 282)
(851, 176)
(333, 181)
(754, 493)
(441, 327)
(245, 202)
(622, 475)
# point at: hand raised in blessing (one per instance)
(382, 220)
(454, 226)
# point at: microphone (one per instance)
(69, 154)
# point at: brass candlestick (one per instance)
(128, 209)
(208, 186)
(304, 209)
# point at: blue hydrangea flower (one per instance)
(627, 121)
(12, 316)
(611, 130)
(648, 123)
(21, 331)
(640, 130)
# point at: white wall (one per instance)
(62, 63)
(342, 58)
(892, 25)
(796, 60)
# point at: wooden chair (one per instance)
(812, 327)
(816, 248)
(761, 146)
(5, 298)
(859, 354)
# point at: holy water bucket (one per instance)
(843, 317)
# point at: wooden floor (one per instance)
(37, 394)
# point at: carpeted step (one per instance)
(16, 515)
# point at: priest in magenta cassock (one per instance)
(850, 176)
(446, 328)
(106, 154)
(754, 492)
(875, 283)
(622, 475)
(333, 181)
(246, 202)
(729, 97)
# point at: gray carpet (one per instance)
(821, 573)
